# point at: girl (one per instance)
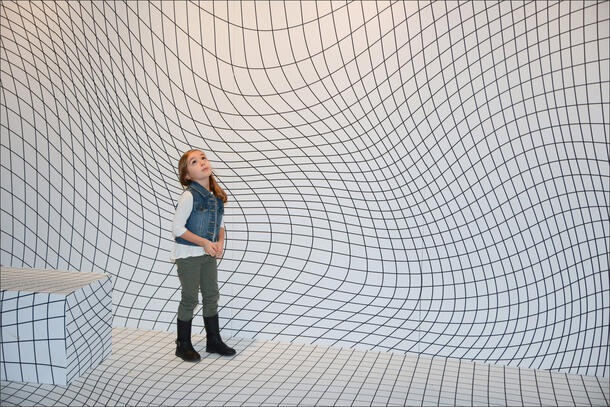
(199, 234)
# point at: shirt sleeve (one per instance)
(183, 211)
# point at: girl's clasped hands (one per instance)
(214, 249)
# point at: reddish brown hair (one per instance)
(182, 173)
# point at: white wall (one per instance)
(402, 176)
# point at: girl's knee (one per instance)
(189, 302)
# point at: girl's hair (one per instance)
(182, 173)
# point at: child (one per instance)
(199, 234)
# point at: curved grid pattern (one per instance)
(407, 177)
(272, 373)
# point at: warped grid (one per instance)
(410, 177)
(271, 373)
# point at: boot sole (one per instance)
(189, 360)
(221, 354)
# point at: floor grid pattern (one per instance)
(143, 370)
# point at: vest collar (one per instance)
(199, 188)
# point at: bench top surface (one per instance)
(45, 280)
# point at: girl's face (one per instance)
(198, 167)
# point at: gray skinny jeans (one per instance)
(196, 273)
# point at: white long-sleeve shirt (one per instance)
(183, 211)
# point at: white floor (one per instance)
(143, 370)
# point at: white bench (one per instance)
(54, 324)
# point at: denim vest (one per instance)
(206, 215)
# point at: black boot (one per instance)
(214, 342)
(184, 347)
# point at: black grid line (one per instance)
(408, 177)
